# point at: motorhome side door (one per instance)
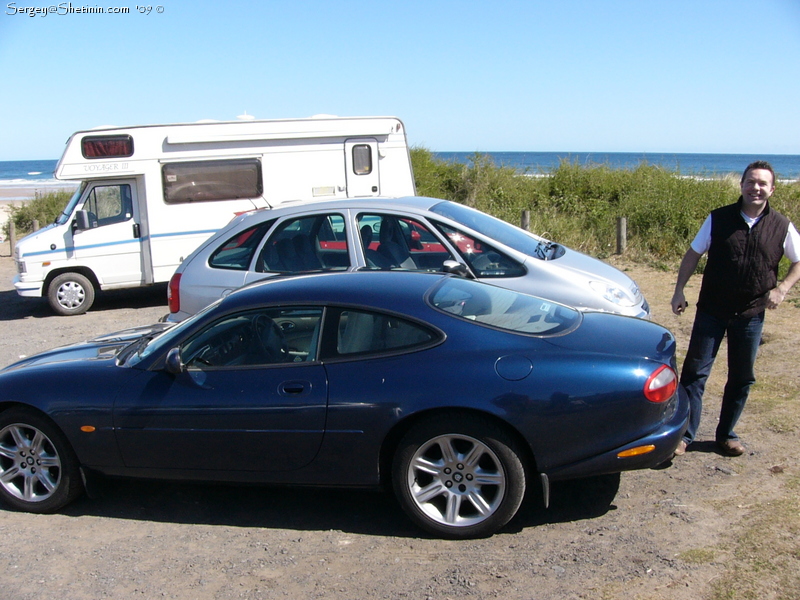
(361, 163)
(106, 233)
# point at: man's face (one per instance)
(757, 187)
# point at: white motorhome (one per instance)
(149, 195)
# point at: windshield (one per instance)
(503, 308)
(70, 207)
(498, 230)
(148, 345)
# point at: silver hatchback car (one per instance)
(410, 234)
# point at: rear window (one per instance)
(209, 180)
(237, 252)
(502, 308)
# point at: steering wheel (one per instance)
(270, 339)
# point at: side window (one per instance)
(362, 159)
(237, 252)
(394, 242)
(312, 243)
(362, 332)
(108, 204)
(256, 338)
(211, 180)
(483, 259)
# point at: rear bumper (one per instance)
(665, 439)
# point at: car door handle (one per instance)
(294, 388)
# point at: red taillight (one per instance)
(174, 293)
(661, 385)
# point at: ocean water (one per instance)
(27, 172)
(787, 166)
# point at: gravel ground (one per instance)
(621, 537)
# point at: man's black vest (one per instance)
(742, 264)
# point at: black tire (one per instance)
(38, 470)
(70, 294)
(458, 476)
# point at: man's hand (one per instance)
(776, 296)
(679, 303)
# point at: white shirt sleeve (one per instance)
(702, 241)
(791, 244)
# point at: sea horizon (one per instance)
(40, 173)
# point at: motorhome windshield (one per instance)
(499, 230)
(70, 208)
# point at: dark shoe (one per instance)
(731, 447)
(681, 449)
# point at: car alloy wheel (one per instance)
(459, 477)
(38, 471)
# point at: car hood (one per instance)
(105, 347)
(593, 269)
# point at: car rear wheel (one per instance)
(38, 470)
(70, 294)
(459, 477)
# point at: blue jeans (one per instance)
(744, 336)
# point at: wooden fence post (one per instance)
(12, 236)
(622, 234)
(525, 222)
(36, 224)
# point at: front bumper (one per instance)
(28, 289)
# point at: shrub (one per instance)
(43, 208)
(578, 205)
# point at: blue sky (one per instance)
(495, 75)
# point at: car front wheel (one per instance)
(70, 294)
(459, 477)
(38, 470)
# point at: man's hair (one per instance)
(759, 164)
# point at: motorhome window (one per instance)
(107, 146)
(237, 252)
(108, 204)
(362, 159)
(211, 180)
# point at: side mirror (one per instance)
(173, 363)
(455, 267)
(81, 222)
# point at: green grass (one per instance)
(578, 205)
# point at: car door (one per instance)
(246, 400)
(112, 245)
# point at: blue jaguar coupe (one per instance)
(456, 394)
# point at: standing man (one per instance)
(745, 242)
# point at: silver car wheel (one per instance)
(456, 480)
(30, 467)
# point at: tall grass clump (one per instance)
(579, 204)
(43, 208)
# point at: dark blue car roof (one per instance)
(394, 291)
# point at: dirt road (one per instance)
(673, 533)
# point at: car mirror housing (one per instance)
(173, 363)
(456, 268)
